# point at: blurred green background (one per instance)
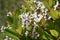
(6, 6)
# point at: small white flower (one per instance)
(49, 17)
(34, 1)
(27, 23)
(38, 35)
(38, 19)
(6, 36)
(44, 14)
(40, 4)
(45, 17)
(34, 15)
(24, 16)
(10, 38)
(10, 27)
(42, 7)
(42, 10)
(2, 29)
(26, 33)
(46, 9)
(5, 39)
(56, 5)
(23, 23)
(9, 14)
(35, 37)
(35, 24)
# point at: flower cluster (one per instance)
(34, 17)
(3, 28)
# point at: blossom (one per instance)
(10, 38)
(49, 17)
(37, 19)
(24, 18)
(26, 33)
(9, 14)
(57, 3)
(34, 15)
(2, 29)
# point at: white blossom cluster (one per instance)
(3, 28)
(28, 18)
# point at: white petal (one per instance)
(26, 33)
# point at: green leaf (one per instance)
(44, 37)
(46, 4)
(54, 14)
(50, 2)
(29, 28)
(1, 36)
(10, 19)
(12, 33)
(46, 34)
(20, 28)
(54, 33)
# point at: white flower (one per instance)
(10, 27)
(40, 3)
(9, 14)
(5, 39)
(45, 18)
(26, 33)
(38, 19)
(35, 24)
(38, 35)
(42, 7)
(46, 9)
(34, 1)
(56, 5)
(42, 10)
(24, 18)
(2, 29)
(49, 17)
(27, 23)
(6, 36)
(23, 23)
(34, 15)
(10, 38)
